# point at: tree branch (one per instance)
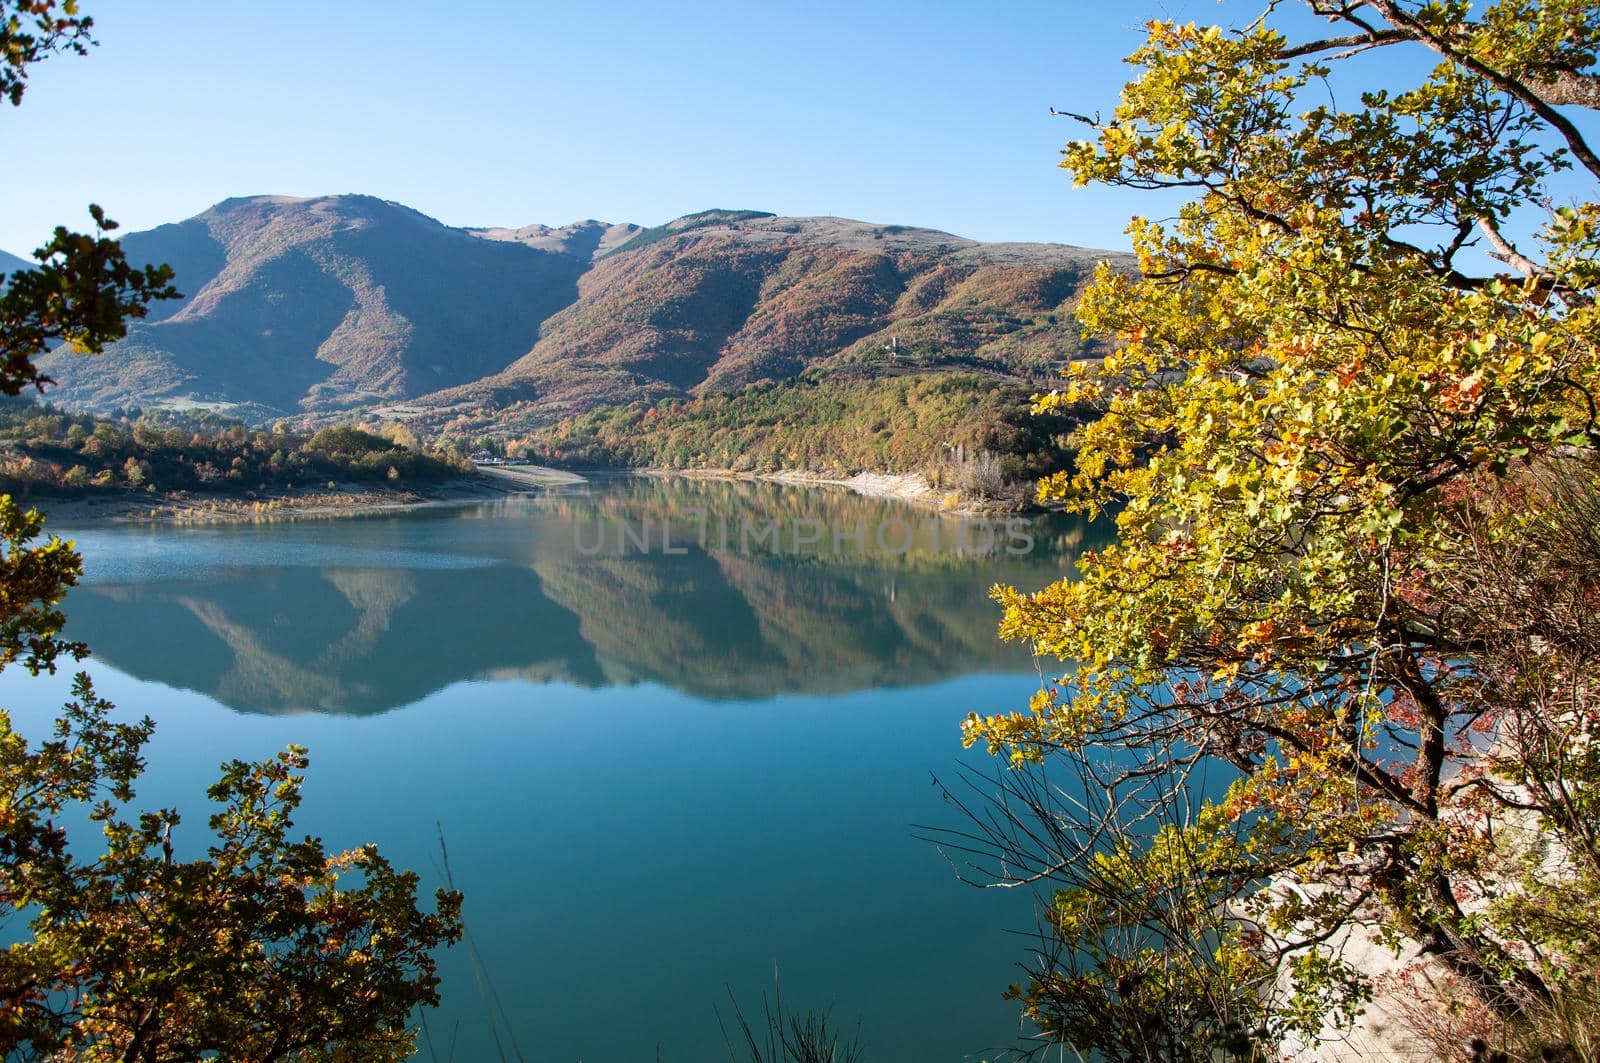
(1397, 17)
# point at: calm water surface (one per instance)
(674, 733)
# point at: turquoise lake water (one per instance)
(674, 733)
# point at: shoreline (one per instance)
(912, 488)
(342, 500)
(487, 484)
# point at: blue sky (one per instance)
(924, 113)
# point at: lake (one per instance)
(674, 732)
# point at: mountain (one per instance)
(342, 304)
(323, 303)
(586, 238)
(10, 263)
(725, 299)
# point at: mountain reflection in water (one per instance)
(718, 589)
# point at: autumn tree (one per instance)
(265, 947)
(1348, 437)
(83, 292)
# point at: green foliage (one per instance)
(1320, 434)
(30, 30)
(83, 290)
(827, 425)
(266, 948)
(35, 577)
(47, 451)
(81, 294)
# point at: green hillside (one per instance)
(935, 423)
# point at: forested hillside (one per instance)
(50, 452)
(346, 308)
(839, 426)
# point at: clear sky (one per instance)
(930, 113)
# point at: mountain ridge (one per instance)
(724, 300)
(10, 263)
(317, 306)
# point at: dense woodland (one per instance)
(48, 451)
(935, 423)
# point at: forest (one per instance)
(46, 451)
(823, 424)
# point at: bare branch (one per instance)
(1093, 122)
(1354, 42)
(1506, 251)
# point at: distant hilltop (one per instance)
(10, 263)
(352, 303)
